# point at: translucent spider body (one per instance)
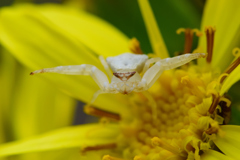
(125, 71)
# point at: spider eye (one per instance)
(124, 76)
(131, 74)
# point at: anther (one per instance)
(236, 52)
(134, 46)
(99, 147)
(226, 100)
(197, 32)
(231, 67)
(222, 77)
(214, 103)
(107, 157)
(101, 113)
(188, 38)
(210, 42)
(165, 145)
(213, 128)
(225, 105)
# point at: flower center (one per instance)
(180, 115)
(182, 103)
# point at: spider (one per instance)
(126, 69)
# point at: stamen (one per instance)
(236, 53)
(99, 147)
(197, 32)
(101, 113)
(210, 41)
(180, 30)
(214, 128)
(188, 41)
(107, 157)
(160, 143)
(225, 105)
(214, 103)
(226, 100)
(222, 77)
(134, 46)
(188, 38)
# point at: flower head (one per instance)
(183, 116)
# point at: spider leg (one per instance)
(174, 62)
(85, 69)
(106, 67)
(149, 62)
(153, 73)
(95, 95)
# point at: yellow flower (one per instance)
(24, 103)
(192, 109)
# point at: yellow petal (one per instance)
(214, 155)
(233, 77)
(153, 30)
(45, 107)
(8, 66)
(29, 107)
(230, 143)
(223, 15)
(40, 41)
(95, 33)
(70, 137)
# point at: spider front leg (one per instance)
(174, 62)
(149, 62)
(85, 69)
(106, 67)
(153, 73)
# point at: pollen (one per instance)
(178, 118)
(187, 115)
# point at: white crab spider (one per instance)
(126, 70)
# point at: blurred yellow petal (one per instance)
(214, 155)
(29, 107)
(54, 41)
(96, 34)
(224, 15)
(45, 107)
(70, 137)
(8, 66)
(230, 142)
(154, 32)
